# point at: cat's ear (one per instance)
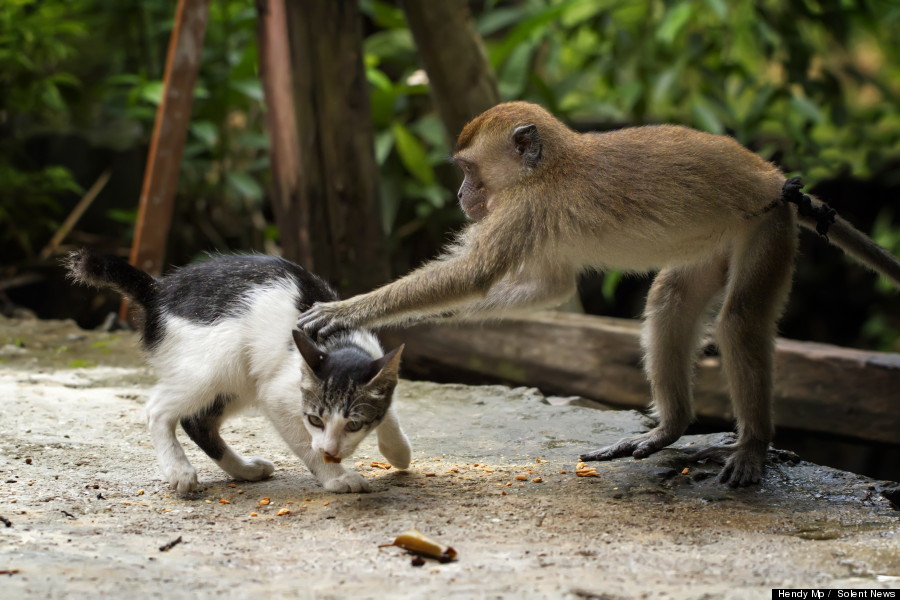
(387, 367)
(311, 353)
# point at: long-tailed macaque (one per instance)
(548, 203)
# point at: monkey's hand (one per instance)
(326, 318)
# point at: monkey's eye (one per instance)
(316, 421)
(354, 426)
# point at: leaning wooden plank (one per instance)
(289, 189)
(818, 387)
(460, 77)
(169, 132)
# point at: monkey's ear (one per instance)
(527, 142)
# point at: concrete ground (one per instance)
(494, 477)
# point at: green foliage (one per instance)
(410, 142)
(35, 42)
(811, 83)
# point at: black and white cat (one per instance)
(220, 334)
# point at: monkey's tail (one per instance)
(89, 268)
(817, 216)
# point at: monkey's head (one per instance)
(498, 149)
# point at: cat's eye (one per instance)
(354, 426)
(316, 421)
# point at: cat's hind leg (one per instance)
(203, 427)
(162, 418)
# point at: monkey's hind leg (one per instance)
(675, 305)
(758, 285)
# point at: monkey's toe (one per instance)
(741, 471)
(743, 465)
(639, 446)
(717, 454)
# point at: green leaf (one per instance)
(611, 281)
(674, 21)
(705, 117)
(251, 88)
(152, 92)
(530, 26)
(514, 73)
(206, 132)
(377, 78)
(806, 107)
(384, 142)
(412, 154)
(244, 185)
(394, 43)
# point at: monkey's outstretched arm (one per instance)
(516, 293)
(481, 258)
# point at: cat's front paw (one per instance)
(397, 451)
(348, 482)
(254, 469)
(183, 479)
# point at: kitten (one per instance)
(220, 334)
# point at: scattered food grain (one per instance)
(224, 501)
(282, 512)
(521, 477)
(685, 471)
(536, 480)
(430, 474)
(380, 465)
(587, 472)
(265, 501)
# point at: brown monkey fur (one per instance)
(548, 203)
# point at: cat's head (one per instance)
(346, 394)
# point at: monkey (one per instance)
(716, 221)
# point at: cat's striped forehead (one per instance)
(344, 379)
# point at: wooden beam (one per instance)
(169, 131)
(822, 388)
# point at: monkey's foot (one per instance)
(744, 463)
(639, 446)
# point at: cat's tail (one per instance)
(90, 268)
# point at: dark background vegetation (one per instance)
(811, 85)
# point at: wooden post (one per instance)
(172, 117)
(336, 140)
(289, 194)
